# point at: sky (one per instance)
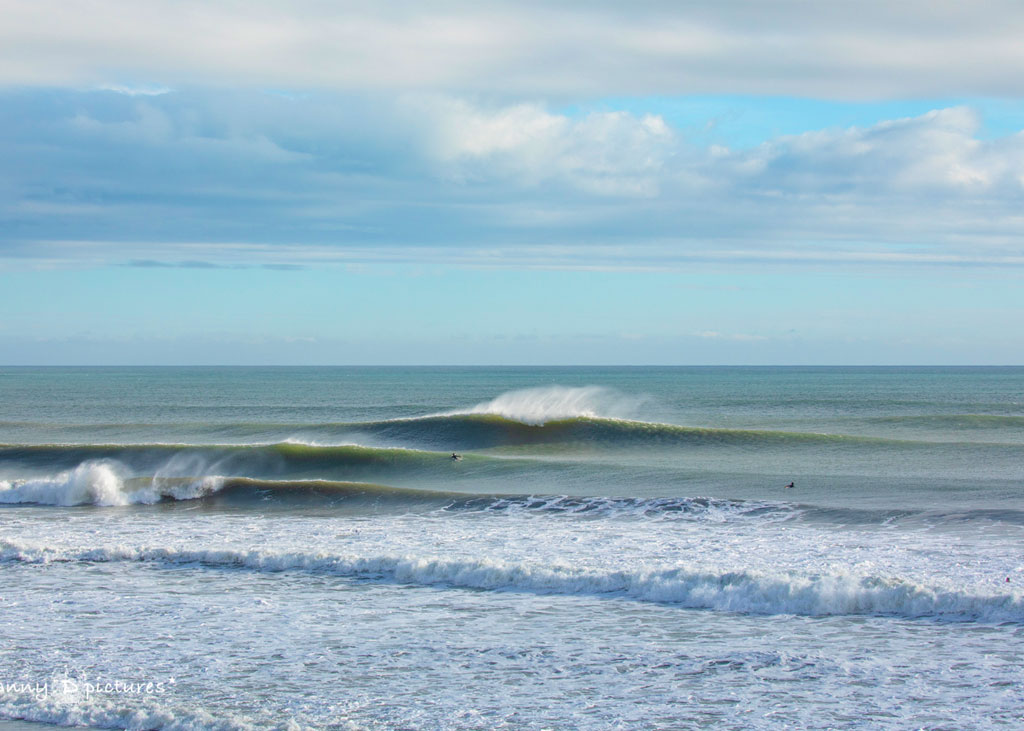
(312, 182)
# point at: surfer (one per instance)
(456, 457)
(789, 485)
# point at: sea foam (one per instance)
(690, 586)
(62, 700)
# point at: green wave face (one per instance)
(408, 439)
(297, 461)
(435, 439)
(492, 431)
(245, 491)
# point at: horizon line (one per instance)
(513, 365)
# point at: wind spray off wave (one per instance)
(537, 406)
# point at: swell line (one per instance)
(463, 432)
(99, 484)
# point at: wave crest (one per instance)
(537, 406)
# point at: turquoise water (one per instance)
(614, 547)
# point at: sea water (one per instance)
(232, 548)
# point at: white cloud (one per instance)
(617, 153)
(934, 152)
(865, 49)
(611, 153)
(735, 337)
(356, 179)
(144, 90)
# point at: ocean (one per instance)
(612, 548)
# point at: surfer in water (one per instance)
(789, 485)
(456, 457)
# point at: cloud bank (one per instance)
(285, 180)
(867, 49)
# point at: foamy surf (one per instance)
(84, 700)
(714, 510)
(76, 711)
(688, 586)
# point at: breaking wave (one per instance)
(108, 484)
(746, 592)
(538, 406)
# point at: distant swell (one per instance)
(956, 421)
(691, 587)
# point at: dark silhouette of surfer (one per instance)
(456, 456)
(789, 485)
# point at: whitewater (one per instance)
(616, 548)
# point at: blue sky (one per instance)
(728, 182)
